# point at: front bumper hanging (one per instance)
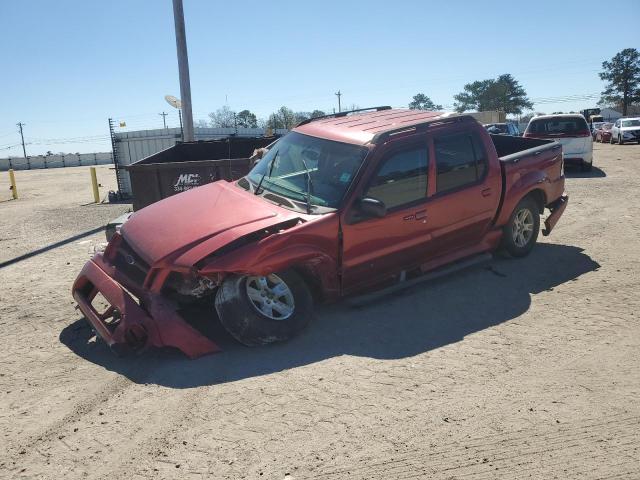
(131, 325)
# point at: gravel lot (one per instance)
(516, 369)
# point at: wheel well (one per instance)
(312, 281)
(540, 198)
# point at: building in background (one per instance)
(610, 115)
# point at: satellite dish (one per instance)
(173, 101)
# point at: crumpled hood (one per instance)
(181, 222)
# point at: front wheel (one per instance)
(620, 141)
(257, 310)
(521, 232)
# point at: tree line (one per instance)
(284, 117)
(503, 93)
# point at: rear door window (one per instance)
(559, 126)
(461, 160)
(401, 179)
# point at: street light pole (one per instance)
(183, 68)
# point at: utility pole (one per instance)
(24, 150)
(338, 94)
(183, 68)
(164, 119)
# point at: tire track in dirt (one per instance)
(149, 444)
(488, 453)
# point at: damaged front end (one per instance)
(141, 302)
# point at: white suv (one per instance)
(571, 130)
(625, 130)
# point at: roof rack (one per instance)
(344, 114)
(419, 127)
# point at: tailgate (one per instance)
(575, 145)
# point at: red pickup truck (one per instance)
(340, 205)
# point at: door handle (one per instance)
(486, 192)
(421, 215)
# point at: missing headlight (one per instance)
(189, 287)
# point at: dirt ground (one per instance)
(516, 369)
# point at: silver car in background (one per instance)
(625, 130)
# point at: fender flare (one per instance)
(525, 185)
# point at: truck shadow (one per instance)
(572, 171)
(425, 317)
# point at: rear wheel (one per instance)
(521, 232)
(257, 310)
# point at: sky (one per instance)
(69, 65)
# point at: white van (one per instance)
(571, 130)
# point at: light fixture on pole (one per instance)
(177, 104)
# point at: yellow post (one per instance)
(94, 184)
(14, 189)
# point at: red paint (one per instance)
(603, 133)
(183, 232)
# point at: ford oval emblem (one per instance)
(130, 260)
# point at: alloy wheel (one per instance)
(270, 296)
(522, 227)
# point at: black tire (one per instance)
(509, 245)
(620, 141)
(611, 140)
(252, 328)
(586, 167)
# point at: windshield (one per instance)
(631, 123)
(332, 166)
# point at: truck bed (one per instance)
(513, 149)
(525, 162)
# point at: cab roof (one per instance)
(362, 127)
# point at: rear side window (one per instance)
(402, 178)
(560, 126)
(460, 160)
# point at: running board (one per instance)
(367, 298)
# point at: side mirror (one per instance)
(370, 207)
